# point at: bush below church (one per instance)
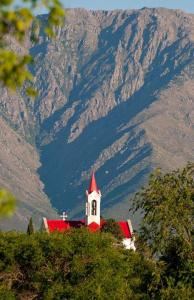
(80, 265)
(74, 265)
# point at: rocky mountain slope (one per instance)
(116, 95)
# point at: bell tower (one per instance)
(93, 200)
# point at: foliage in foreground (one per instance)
(7, 203)
(74, 265)
(81, 265)
(112, 227)
(167, 229)
(167, 203)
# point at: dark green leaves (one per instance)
(112, 227)
(30, 229)
(77, 265)
(168, 207)
(167, 228)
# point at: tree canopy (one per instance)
(167, 228)
(167, 204)
(30, 228)
(75, 265)
(111, 226)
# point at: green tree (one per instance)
(7, 203)
(6, 294)
(30, 229)
(166, 231)
(167, 204)
(77, 265)
(111, 226)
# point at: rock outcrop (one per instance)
(116, 95)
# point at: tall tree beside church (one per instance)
(168, 208)
(167, 229)
(30, 229)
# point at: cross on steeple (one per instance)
(64, 216)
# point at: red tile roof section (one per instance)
(93, 185)
(125, 229)
(60, 225)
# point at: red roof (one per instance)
(125, 229)
(93, 186)
(60, 225)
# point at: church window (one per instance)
(94, 208)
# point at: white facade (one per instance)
(129, 244)
(93, 207)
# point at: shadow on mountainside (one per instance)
(66, 165)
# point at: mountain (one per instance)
(116, 95)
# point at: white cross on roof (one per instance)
(64, 216)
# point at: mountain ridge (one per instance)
(115, 96)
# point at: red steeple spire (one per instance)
(93, 186)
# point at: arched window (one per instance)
(94, 207)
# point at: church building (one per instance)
(92, 219)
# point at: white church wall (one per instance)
(89, 216)
(129, 244)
